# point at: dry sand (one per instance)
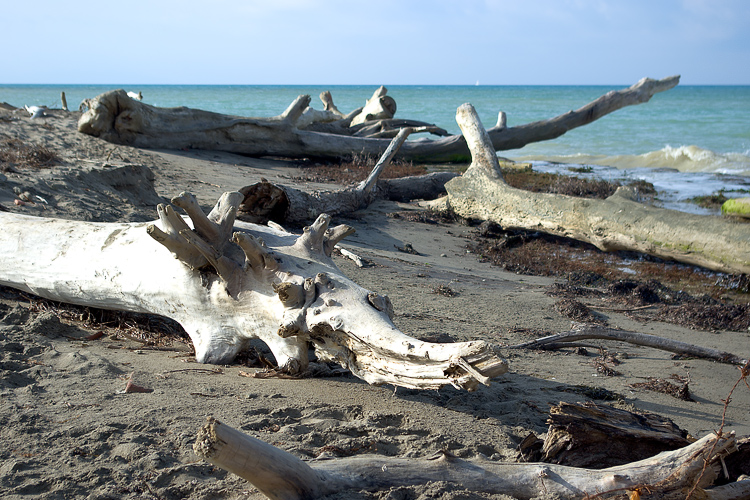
(68, 432)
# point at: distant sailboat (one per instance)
(477, 84)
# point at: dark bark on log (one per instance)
(116, 118)
(382, 128)
(599, 436)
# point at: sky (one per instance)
(389, 42)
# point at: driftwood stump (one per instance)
(598, 436)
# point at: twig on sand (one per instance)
(581, 331)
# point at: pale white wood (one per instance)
(227, 282)
(281, 476)
(378, 107)
(619, 222)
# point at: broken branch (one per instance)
(282, 476)
(581, 331)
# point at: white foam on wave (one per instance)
(681, 158)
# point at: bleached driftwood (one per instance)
(285, 204)
(619, 222)
(281, 476)
(264, 201)
(116, 118)
(227, 282)
(379, 107)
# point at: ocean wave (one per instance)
(682, 158)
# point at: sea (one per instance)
(688, 141)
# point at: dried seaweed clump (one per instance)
(734, 317)
(356, 169)
(680, 391)
(15, 153)
(444, 290)
(146, 329)
(575, 310)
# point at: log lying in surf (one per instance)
(115, 117)
(619, 222)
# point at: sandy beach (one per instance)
(68, 430)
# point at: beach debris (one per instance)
(407, 248)
(280, 475)
(681, 391)
(227, 282)
(597, 436)
(619, 222)
(586, 331)
(265, 202)
(131, 387)
(358, 261)
(36, 111)
(115, 117)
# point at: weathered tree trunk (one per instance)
(227, 282)
(116, 118)
(284, 204)
(287, 205)
(619, 222)
(281, 476)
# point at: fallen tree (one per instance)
(285, 204)
(115, 117)
(282, 476)
(619, 222)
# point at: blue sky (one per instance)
(390, 42)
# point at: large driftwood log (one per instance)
(285, 204)
(619, 222)
(282, 476)
(116, 118)
(227, 282)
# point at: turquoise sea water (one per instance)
(689, 140)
